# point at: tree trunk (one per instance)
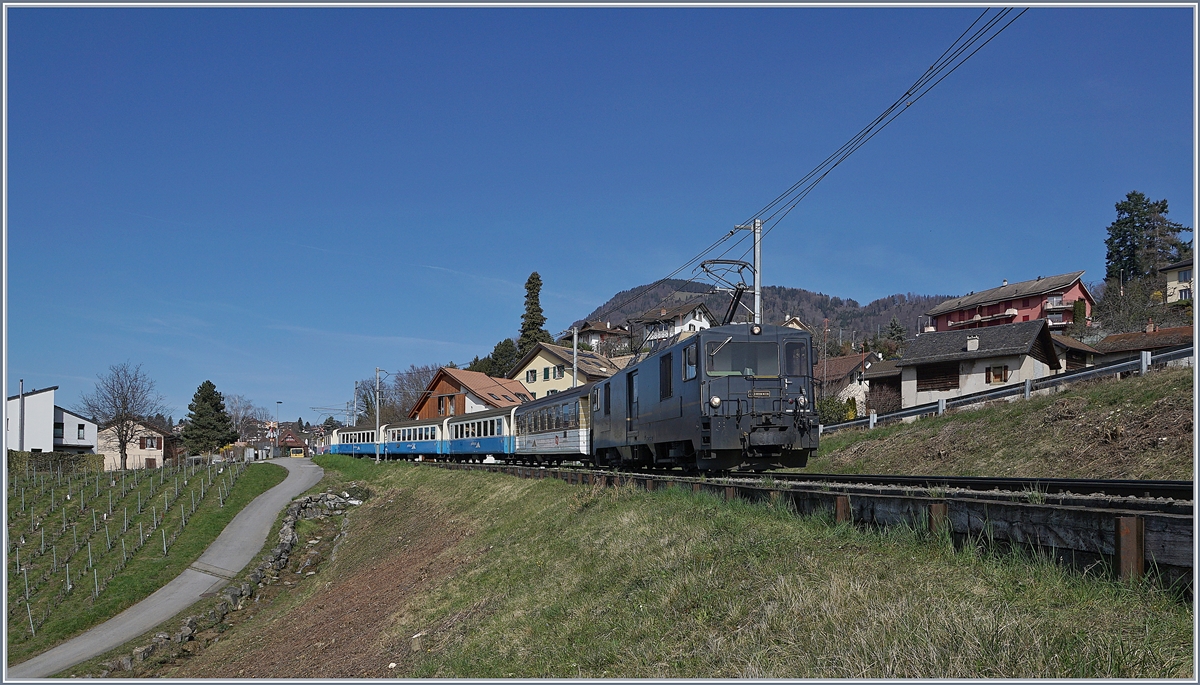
(124, 457)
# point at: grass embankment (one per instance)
(125, 582)
(1139, 427)
(536, 578)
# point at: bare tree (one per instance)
(123, 400)
(397, 397)
(244, 414)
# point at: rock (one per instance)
(140, 653)
(190, 622)
(161, 638)
(246, 590)
(221, 609)
(354, 502)
(125, 663)
(186, 632)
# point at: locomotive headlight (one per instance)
(714, 401)
(756, 330)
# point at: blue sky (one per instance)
(280, 200)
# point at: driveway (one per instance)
(233, 549)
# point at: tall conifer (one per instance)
(209, 427)
(533, 319)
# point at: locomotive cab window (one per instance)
(743, 358)
(795, 355)
(689, 362)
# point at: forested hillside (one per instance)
(778, 304)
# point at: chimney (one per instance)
(972, 343)
(1150, 327)
(1004, 283)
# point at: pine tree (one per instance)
(1142, 240)
(208, 425)
(532, 320)
(895, 331)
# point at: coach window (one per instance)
(689, 362)
(664, 376)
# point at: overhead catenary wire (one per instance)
(778, 208)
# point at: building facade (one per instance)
(457, 391)
(546, 369)
(1051, 298)
(33, 423)
(1180, 281)
(150, 448)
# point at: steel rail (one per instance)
(1168, 489)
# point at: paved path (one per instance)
(233, 549)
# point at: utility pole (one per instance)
(21, 440)
(277, 404)
(574, 356)
(756, 227)
(354, 417)
(376, 414)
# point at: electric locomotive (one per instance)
(729, 397)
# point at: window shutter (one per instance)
(142, 443)
(987, 375)
(1006, 373)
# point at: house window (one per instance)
(551, 392)
(664, 377)
(58, 431)
(509, 398)
(689, 362)
(1185, 293)
(494, 396)
(995, 375)
(1056, 317)
(937, 376)
(1025, 302)
(560, 371)
(531, 376)
(1185, 275)
(691, 326)
(81, 433)
(442, 405)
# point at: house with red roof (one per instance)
(1047, 297)
(457, 391)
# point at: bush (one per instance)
(831, 410)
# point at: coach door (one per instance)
(631, 406)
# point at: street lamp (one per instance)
(277, 403)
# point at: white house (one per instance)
(948, 364)
(33, 423)
(665, 322)
(149, 449)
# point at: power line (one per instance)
(947, 63)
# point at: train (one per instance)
(724, 398)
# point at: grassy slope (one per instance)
(147, 571)
(1133, 428)
(539, 578)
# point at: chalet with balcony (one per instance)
(1051, 298)
(457, 391)
(666, 322)
(602, 337)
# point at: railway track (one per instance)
(1077, 522)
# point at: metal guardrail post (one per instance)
(1028, 387)
(941, 406)
(871, 426)
(1145, 358)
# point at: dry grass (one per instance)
(536, 578)
(1133, 428)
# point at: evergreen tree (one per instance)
(330, 423)
(533, 320)
(503, 357)
(895, 332)
(1142, 240)
(209, 427)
